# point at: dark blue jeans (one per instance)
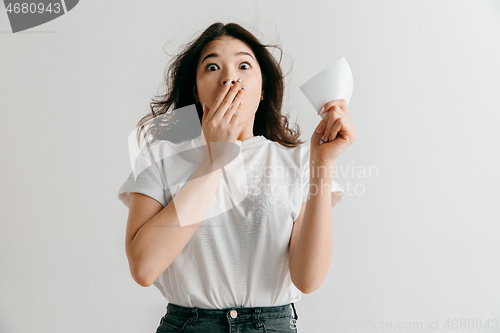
(276, 319)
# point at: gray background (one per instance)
(415, 240)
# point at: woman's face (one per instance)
(220, 61)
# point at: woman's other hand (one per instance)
(336, 130)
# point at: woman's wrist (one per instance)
(320, 169)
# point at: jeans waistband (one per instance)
(213, 313)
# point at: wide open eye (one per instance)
(208, 66)
(243, 63)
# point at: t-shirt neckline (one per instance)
(247, 142)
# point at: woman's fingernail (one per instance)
(321, 110)
(228, 82)
(320, 128)
(239, 80)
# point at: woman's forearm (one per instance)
(313, 251)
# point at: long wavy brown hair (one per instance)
(181, 79)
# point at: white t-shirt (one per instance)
(238, 257)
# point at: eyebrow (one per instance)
(216, 55)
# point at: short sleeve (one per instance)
(149, 182)
(337, 191)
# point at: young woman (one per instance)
(228, 257)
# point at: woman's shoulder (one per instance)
(303, 146)
(298, 155)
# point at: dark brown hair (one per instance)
(181, 78)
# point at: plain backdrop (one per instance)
(416, 236)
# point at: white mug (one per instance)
(333, 82)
